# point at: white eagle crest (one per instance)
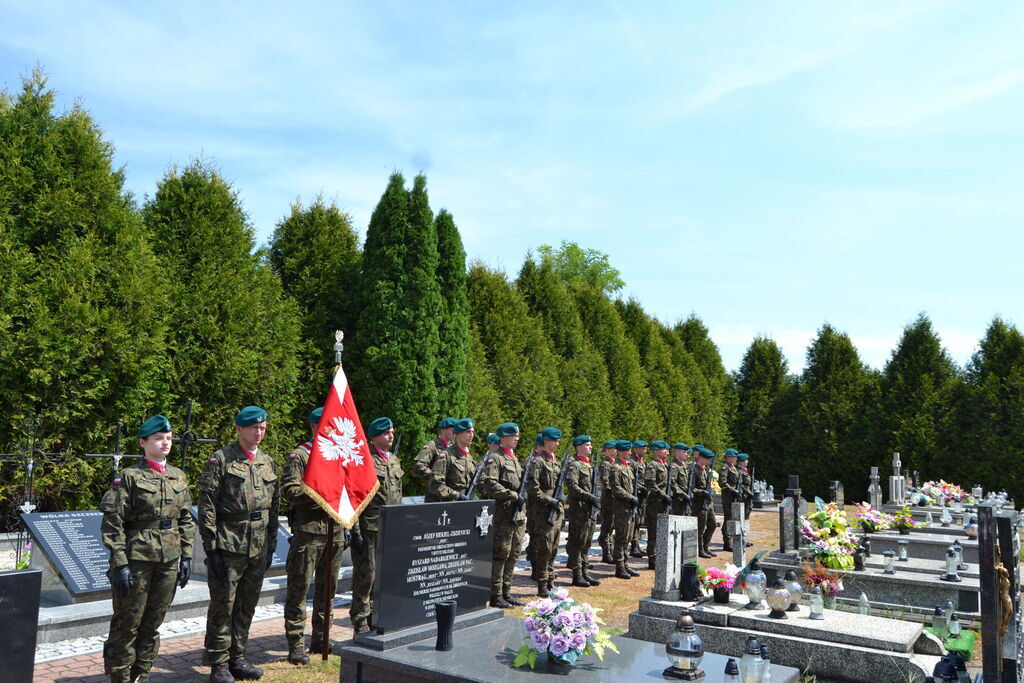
(341, 442)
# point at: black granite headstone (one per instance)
(71, 540)
(19, 619)
(431, 553)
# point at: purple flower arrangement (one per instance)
(562, 628)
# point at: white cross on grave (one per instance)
(443, 520)
(483, 522)
(27, 507)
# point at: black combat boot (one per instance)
(244, 671)
(220, 673)
(578, 580)
(589, 579)
(512, 600)
(607, 558)
(620, 571)
(632, 572)
(542, 589)
(634, 550)
(297, 653)
(500, 602)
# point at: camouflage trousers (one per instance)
(363, 570)
(577, 545)
(641, 515)
(508, 542)
(604, 539)
(545, 546)
(623, 522)
(651, 519)
(232, 603)
(307, 561)
(706, 525)
(133, 642)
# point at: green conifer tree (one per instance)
(234, 338)
(759, 428)
(719, 404)
(453, 329)
(484, 400)
(315, 252)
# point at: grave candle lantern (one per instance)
(951, 574)
(685, 651)
(960, 565)
(946, 518)
(903, 550)
(732, 672)
(944, 671)
(755, 585)
(928, 518)
(778, 599)
(958, 506)
(817, 604)
(750, 663)
(796, 591)
(939, 624)
(890, 562)
(977, 492)
(954, 627)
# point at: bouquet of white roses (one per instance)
(562, 628)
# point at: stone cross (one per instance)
(836, 493)
(897, 482)
(875, 490)
(737, 535)
(676, 544)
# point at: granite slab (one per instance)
(848, 628)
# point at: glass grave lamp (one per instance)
(951, 574)
(946, 518)
(960, 665)
(778, 598)
(863, 606)
(750, 662)
(954, 627)
(796, 591)
(971, 527)
(960, 565)
(939, 624)
(958, 506)
(903, 545)
(928, 518)
(732, 672)
(978, 492)
(817, 604)
(947, 609)
(766, 664)
(755, 585)
(685, 651)
(944, 670)
(890, 562)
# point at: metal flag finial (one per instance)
(338, 345)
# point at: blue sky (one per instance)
(768, 166)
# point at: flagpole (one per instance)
(329, 578)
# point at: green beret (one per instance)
(446, 423)
(680, 446)
(316, 415)
(623, 446)
(580, 440)
(639, 444)
(250, 415)
(705, 452)
(698, 446)
(551, 433)
(507, 429)
(658, 445)
(610, 443)
(493, 438)
(157, 423)
(742, 457)
(379, 426)
(731, 452)
(538, 440)
(463, 424)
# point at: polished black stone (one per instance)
(19, 619)
(71, 540)
(428, 554)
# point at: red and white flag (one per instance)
(340, 475)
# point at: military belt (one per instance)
(240, 516)
(137, 524)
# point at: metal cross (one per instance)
(187, 438)
(117, 455)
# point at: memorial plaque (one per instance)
(19, 620)
(431, 553)
(787, 524)
(71, 541)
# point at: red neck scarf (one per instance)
(160, 467)
(508, 451)
(446, 443)
(583, 458)
(549, 454)
(249, 454)
(464, 451)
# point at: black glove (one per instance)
(554, 504)
(522, 500)
(184, 572)
(121, 581)
(215, 563)
(348, 539)
(666, 499)
(594, 499)
(634, 500)
(357, 542)
(270, 555)
(463, 496)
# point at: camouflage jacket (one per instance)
(605, 472)
(746, 484)
(701, 482)
(500, 480)
(579, 481)
(680, 480)
(655, 478)
(137, 506)
(423, 464)
(729, 480)
(622, 479)
(389, 489)
(238, 502)
(451, 475)
(305, 514)
(540, 487)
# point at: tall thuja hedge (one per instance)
(315, 252)
(586, 398)
(395, 348)
(234, 335)
(83, 300)
(665, 381)
(484, 399)
(715, 411)
(917, 387)
(517, 349)
(760, 426)
(453, 328)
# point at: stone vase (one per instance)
(445, 614)
(689, 587)
(720, 595)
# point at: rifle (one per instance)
(522, 485)
(557, 494)
(708, 502)
(635, 511)
(595, 490)
(476, 475)
(397, 445)
(689, 488)
(668, 483)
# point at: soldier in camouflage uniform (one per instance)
(604, 539)
(423, 464)
(453, 469)
(579, 482)
(542, 499)
(702, 507)
(501, 481)
(239, 499)
(746, 492)
(381, 433)
(622, 480)
(679, 470)
(729, 482)
(637, 461)
(307, 556)
(535, 539)
(148, 529)
(658, 501)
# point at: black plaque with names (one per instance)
(71, 540)
(428, 554)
